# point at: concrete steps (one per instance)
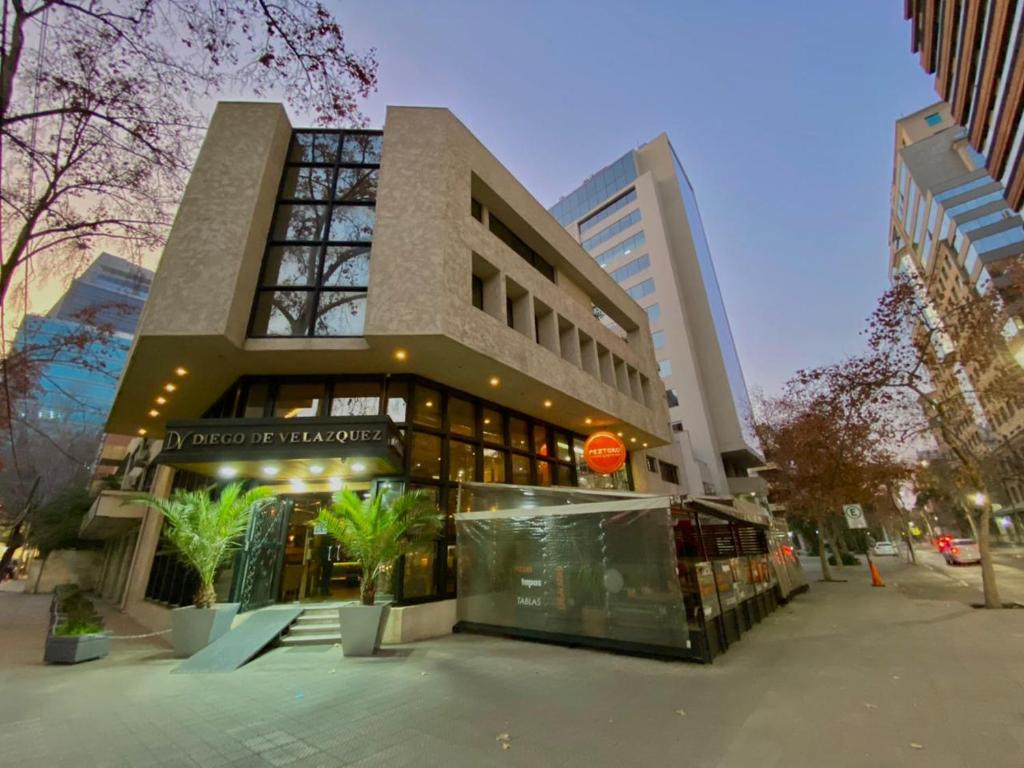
(314, 626)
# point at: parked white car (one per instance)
(962, 551)
(885, 549)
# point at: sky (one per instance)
(782, 113)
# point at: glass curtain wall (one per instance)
(450, 437)
(317, 263)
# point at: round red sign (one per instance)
(604, 453)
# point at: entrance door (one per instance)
(260, 562)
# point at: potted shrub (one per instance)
(206, 531)
(376, 532)
(76, 629)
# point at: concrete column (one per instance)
(147, 543)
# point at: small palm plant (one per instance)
(379, 530)
(205, 531)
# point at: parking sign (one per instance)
(854, 516)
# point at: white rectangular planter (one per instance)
(71, 649)
(362, 628)
(192, 629)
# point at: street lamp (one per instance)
(979, 499)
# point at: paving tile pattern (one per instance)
(844, 676)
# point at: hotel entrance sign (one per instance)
(210, 440)
(604, 453)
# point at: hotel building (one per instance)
(952, 229)
(367, 309)
(639, 221)
(974, 50)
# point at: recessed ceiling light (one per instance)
(358, 467)
(181, 371)
(270, 470)
(161, 400)
(645, 445)
(619, 434)
(154, 412)
(487, 421)
(632, 439)
(429, 403)
(227, 472)
(142, 431)
(315, 469)
(588, 420)
(495, 381)
(401, 354)
(170, 387)
(547, 403)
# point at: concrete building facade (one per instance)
(372, 310)
(974, 51)
(638, 218)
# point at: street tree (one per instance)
(829, 451)
(943, 367)
(102, 104)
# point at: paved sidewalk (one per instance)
(846, 675)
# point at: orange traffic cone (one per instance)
(876, 577)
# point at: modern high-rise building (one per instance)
(638, 218)
(973, 47)
(77, 382)
(952, 229)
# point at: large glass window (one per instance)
(355, 398)
(461, 461)
(613, 207)
(630, 268)
(425, 456)
(494, 466)
(298, 400)
(316, 268)
(398, 398)
(428, 407)
(624, 248)
(461, 417)
(640, 290)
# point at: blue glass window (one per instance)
(593, 191)
(640, 290)
(658, 337)
(983, 221)
(634, 267)
(612, 230)
(664, 368)
(933, 119)
(612, 207)
(653, 313)
(970, 205)
(624, 248)
(999, 239)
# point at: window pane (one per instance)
(520, 469)
(545, 474)
(352, 223)
(461, 461)
(494, 466)
(355, 398)
(300, 222)
(519, 434)
(315, 147)
(425, 456)
(418, 574)
(494, 426)
(305, 183)
(461, 417)
(347, 265)
(341, 313)
(563, 449)
(256, 399)
(361, 148)
(398, 394)
(298, 400)
(356, 184)
(540, 440)
(428, 407)
(283, 313)
(291, 265)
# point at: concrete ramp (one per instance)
(232, 650)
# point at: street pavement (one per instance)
(845, 675)
(966, 579)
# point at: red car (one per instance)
(942, 543)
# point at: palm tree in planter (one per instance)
(376, 532)
(206, 531)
